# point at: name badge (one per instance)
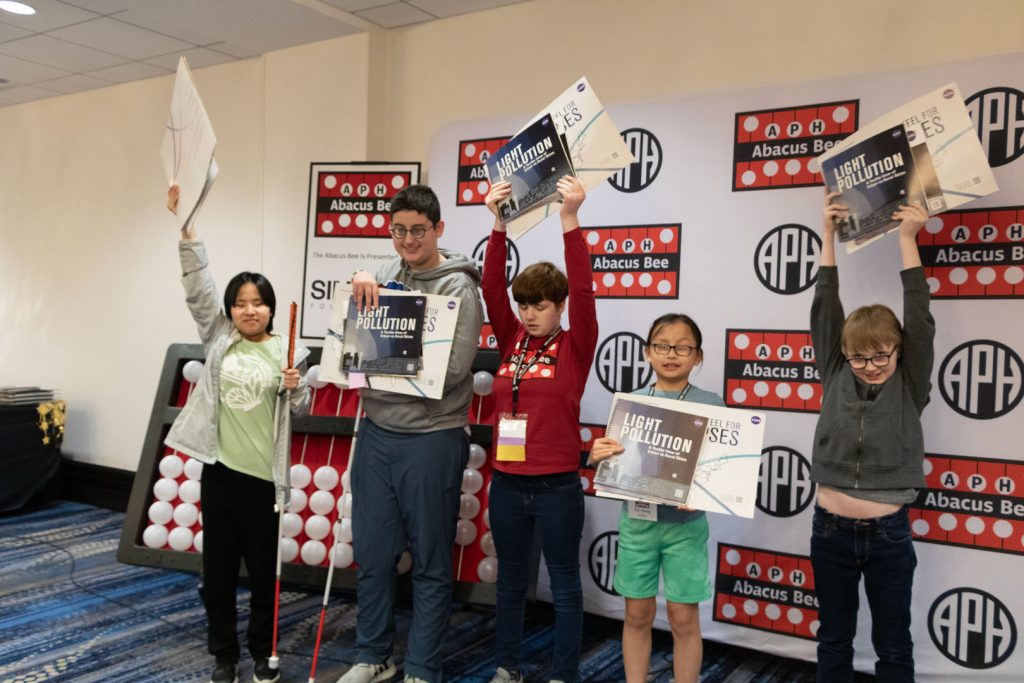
(511, 437)
(640, 509)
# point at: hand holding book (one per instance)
(365, 290)
(604, 448)
(573, 194)
(498, 193)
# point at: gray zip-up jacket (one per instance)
(455, 276)
(871, 444)
(194, 432)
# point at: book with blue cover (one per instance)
(386, 340)
(532, 161)
(924, 151)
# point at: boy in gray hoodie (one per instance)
(868, 455)
(407, 472)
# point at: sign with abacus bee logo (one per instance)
(348, 203)
(771, 369)
(975, 253)
(971, 502)
(354, 200)
(766, 590)
(635, 261)
(775, 148)
(747, 275)
(471, 183)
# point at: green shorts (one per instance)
(679, 549)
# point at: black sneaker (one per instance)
(224, 672)
(262, 673)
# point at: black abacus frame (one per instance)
(131, 550)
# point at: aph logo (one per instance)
(972, 628)
(982, 379)
(511, 258)
(784, 486)
(786, 259)
(601, 561)
(620, 363)
(998, 115)
(646, 151)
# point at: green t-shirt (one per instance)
(249, 379)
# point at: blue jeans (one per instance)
(405, 491)
(882, 551)
(553, 504)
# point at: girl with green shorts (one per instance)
(660, 539)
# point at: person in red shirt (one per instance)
(537, 391)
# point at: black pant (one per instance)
(239, 523)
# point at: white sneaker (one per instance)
(369, 673)
(412, 679)
(503, 675)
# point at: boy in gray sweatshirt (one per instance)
(868, 454)
(407, 472)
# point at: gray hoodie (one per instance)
(455, 276)
(871, 444)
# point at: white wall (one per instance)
(88, 268)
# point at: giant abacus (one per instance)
(163, 525)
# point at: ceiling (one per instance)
(69, 46)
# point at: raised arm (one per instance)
(582, 306)
(834, 210)
(918, 353)
(200, 289)
(506, 324)
(827, 316)
(912, 218)
(173, 195)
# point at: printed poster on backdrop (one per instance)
(926, 150)
(743, 265)
(347, 229)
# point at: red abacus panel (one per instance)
(487, 338)
(356, 204)
(777, 147)
(472, 177)
(974, 253)
(771, 369)
(635, 261)
(971, 502)
(766, 590)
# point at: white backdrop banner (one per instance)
(719, 217)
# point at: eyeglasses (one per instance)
(418, 231)
(680, 349)
(879, 360)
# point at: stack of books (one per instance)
(23, 396)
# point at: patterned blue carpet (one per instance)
(70, 612)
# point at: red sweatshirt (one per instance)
(549, 394)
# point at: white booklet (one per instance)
(728, 459)
(926, 150)
(188, 145)
(439, 319)
(592, 140)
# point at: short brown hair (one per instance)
(871, 328)
(542, 281)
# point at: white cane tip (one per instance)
(272, 662)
